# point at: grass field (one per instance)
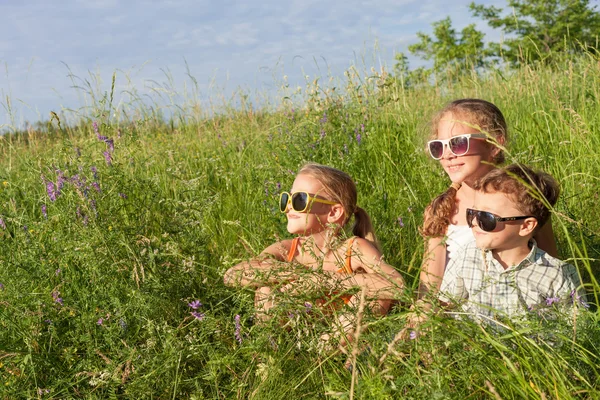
(112, 228)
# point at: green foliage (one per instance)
(449, 50)
(537, 30)
(98, 287)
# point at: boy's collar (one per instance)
(528, 260)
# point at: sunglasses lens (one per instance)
(470, 216)
(436, 149)
(486, 221)
(283, 201)
(299, 201)
(459, 145)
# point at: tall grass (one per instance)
(98, 278)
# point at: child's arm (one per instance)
(263, 270)
(380, 279)
(433, 267)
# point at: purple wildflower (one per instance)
(1, 286)
(238, 329)
(307, 307)
(362, 127)
(111, 144)
(552, 300)
(577, 298)
(278, 185)
(60, 181)
(358, 138)
(94, 171)
(100, 321)
(96, 186)
(2, 224)
(56, 298)
(44, 211)
(122, 195)
(412, 335)
(195, 304)
(324, 119)
(400, 222)
(48, 321)
(323, 134)
(107, 158)
(95, 126)
(26, 228)
(51, 190)
(198, 315)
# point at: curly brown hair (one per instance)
(482, 115)
(533, 192)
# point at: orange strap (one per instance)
(293, 249)
(348, 262)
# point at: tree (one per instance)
(447, 48)
(537, 29)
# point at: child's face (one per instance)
(507, 234)
(313, 220)
(466, 168)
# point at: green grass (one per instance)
(183, 201)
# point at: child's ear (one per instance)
(528, 227)
(336, 214)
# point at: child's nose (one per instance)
(447, 153)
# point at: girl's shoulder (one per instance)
(280, 249)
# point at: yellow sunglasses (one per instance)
(300, 201)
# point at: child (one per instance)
(504, 271)
(468, 136)
(321, 202)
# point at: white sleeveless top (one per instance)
(458, 236)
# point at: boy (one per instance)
(503, 272)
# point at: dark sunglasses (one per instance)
(300, 201)
(487, 221)
(458, 145)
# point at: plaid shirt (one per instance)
(539, 280)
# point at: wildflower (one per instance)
(78, 152)
(307, 307)
(107, 158)
(362, 127)
(57, 272)
(44, 211)
(2, 224)
(51, 190)
(122, 195)
(577, 298)
(96, 186)
(48, 321)
(94, 171)
(400, 222)
(1, 286)
(358, 138)
(95, 126)
(324, 119)
(57, 299)
(122, 324)
(323, 134)
(199, 316)
(412, 335)
(552, 300)
(111, 144)
(195, 304)
(100, 321)
(60, 181)
(238, 329)
(278, 185)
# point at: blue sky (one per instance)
(226, 44)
